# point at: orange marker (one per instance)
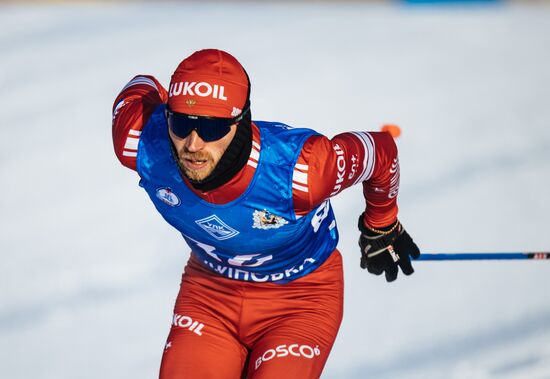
(393, 129)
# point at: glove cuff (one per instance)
(364, 228)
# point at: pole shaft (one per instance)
(483, 256)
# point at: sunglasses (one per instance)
(208, 128)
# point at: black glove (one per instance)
(387, 249)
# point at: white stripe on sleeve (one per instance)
(370, 158)
(141, 80)
(131, 143)
(299, 187)
(299, 177)
(127, 153)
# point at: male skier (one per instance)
(262, 293)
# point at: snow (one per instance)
(90, 271)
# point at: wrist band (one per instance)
(384, 232)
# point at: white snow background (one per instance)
(90, 271)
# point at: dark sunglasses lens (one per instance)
(209, 129)
(213, 129)
(179, 125)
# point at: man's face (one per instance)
(197, 157)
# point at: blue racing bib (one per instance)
(256, 237)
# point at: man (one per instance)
(261, 296)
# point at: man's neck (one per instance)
(232, 161)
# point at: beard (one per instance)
(205, 160)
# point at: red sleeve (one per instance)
(131, 110)
(325, 167)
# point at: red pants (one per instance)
(228, 329)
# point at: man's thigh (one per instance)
(212, 354)
(300, 321)
(297, 348)
(202, 343)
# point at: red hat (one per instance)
(209, 83)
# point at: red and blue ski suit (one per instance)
(262, 293)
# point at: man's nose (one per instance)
(194, 142)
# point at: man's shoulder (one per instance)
(280, 129)
(272, 125)
(132, 109)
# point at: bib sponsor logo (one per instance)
(282, 126)
(266, 220)
(201, 89)
(168, 197)
(241, 274)
(296, 350)
(249, 260)
(216, 228)
(188, 323)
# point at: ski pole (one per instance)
(483, 256)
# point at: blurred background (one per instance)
(90, 271)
